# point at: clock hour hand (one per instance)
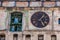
(42, 23)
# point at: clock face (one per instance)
(40, 19)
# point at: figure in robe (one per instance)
(13, 28)
(16, 20)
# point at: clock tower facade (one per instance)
(29, 20)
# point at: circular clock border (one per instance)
(43, 13)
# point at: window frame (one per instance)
(28, 36)
(39, 36)
(52, 36)
(15, 36)
(15, 29)
(2, 36)
(59, 21)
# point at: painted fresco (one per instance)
(8, 4)
(3, 16)
(49, 4)
(35, 4)
(58, 4)
(21, 4)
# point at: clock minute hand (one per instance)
(41, 18)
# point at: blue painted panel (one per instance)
(59, 21)
(15, 20)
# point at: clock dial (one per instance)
(40, 19)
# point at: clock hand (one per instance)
(42, 23)
(45, 22)
(41, 18)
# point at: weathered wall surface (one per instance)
(53, 28)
